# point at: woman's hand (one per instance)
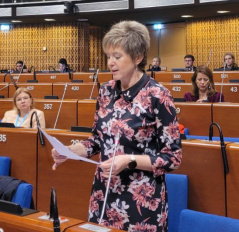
(58, 159)
(120, 163)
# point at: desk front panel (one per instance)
(5, 105)
(88, 77)
(194, 116)
(38, 90)
(52, 77)
(228, 75)
(17, 77)
(202, 163)
(72, 179)
(21, 146)
(229, 90)
(169, 76)
(76, 90)
(177, 89)
(67, 116)
(4, 89)
(86, 112)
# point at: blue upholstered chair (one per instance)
(177, 187)
(5, 163)
(193, 221)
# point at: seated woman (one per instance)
(21, 67)
(203, 87)
(63, 66)
(229, 60)
(155, 66)
(22, 111)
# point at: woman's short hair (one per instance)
(133, 37)
(206, 71)
(19, 91)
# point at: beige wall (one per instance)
(170, 44)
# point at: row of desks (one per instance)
(197, 117)
(106, 76)
(209, 191)
(87, 90)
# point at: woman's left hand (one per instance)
(120, 163)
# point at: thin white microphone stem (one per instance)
(109, 179)
(209, 58)
(20, 72)
(60, 104)
(4, 86)
(96, 76)
(223, 76)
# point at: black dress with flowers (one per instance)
(145, 118)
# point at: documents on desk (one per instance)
(62, 150)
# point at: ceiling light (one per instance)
(50, 20)
(16, 21)
(223, 11)
(5, 27)
(186, 16)
(157, 26)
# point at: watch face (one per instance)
(132, 165)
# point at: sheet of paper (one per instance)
(62, 150)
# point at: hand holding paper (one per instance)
(64, 151)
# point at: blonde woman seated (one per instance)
(22, 111)
(203, 87)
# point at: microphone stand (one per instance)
(117, 137)
(223, 76)
(38, 125)
(209, 58)
(60, 105)
(224, 157)
(12, 80)
(95, 78)
(54, 211)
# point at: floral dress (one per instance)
(144, 116)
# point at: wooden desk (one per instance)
(169, 76)
(88, 77)
(52, 77)
(32, 223)
(72, 180)
(4, 89)
(228, 75)
(226, 115)
(38, 90)
(177, 89)
(21, 146)
(194, 116)
(67, 116)
(18, 77)
(232, 150)
(229, 90)
(202, 162)
(86, 111)
(5, 105)
(75, 90)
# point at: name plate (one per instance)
(94, 228)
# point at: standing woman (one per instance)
(140, 112)
(22, 110)
(203, 87)
(229, 60)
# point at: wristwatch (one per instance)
(132, 164)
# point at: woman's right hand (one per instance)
(58, 159)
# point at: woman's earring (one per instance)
(209, 86)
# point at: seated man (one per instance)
(21, 67)
(188, 61)
(63, 66)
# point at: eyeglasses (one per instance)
(23, 98)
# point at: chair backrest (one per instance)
(23, 195)
(177, 188)
(5, 166)
(200, 222)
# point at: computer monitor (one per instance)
(7, 124)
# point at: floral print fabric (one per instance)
(144, 117)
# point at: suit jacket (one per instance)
(11, 116)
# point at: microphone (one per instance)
(96, 62)
(222, 76)
(60, 105)
(117, 137)
(54, 211)
(34, 72)
(38, 125)
(95, 78)
(209, 58)
(223, 148)
(12, 80)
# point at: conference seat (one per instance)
(194, 221)
(23, 195)
(5, 163)
(177, 188)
